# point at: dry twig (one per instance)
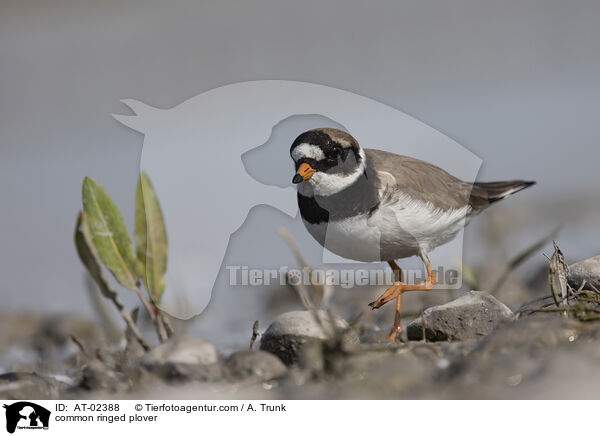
(254, 334)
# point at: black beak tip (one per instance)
(297, 179)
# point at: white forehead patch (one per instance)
(309, 151)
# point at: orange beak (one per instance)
(304, 173)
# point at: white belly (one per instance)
(351, 238)
(392, 233)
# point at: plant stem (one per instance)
(130, 322)
(166, 322)
(134, 329)
(152, 312)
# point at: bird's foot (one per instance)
(390, 294)
(395, 292)
(398, 288)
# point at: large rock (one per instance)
(473, 315)
(290, 334)
(588, 270)
(182, 359)
(255, 365)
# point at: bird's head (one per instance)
(327, 161)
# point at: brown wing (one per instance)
(421, 180)
(426, 182)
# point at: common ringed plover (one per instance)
(372, 205)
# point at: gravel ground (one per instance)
(474, 347)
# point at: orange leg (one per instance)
(397, 289)
(396, 328)
(398, 275)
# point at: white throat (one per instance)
(323, 184)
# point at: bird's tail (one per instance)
(486, 193)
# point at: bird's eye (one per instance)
(334, 151)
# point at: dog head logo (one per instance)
(222, 153)
(26, 415)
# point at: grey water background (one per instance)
(514, 82)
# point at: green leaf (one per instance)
(89, 257)
(109, 234)
(150, 238)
